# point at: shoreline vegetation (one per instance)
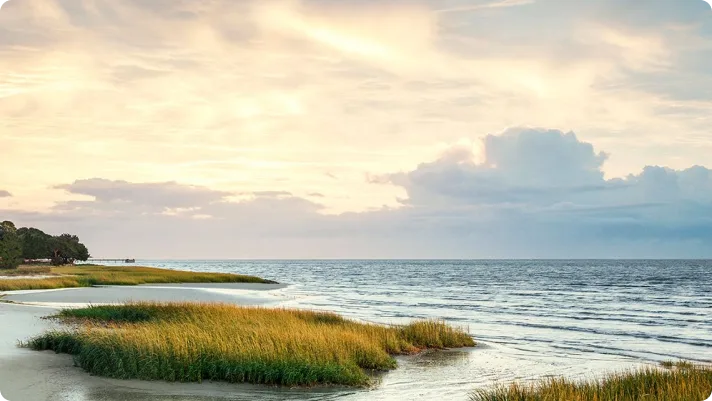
(28, 243)
(191, 342)
(27, 270)
(74, 276)
(673, 381)
(196, 342)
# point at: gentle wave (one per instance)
(535, 318)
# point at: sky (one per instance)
(360, 129)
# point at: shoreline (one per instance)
(48, 376)
(76, 276)
(492, 362)
(39, 376)
(237, 293)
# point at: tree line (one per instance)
(18, 245)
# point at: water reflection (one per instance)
(211, 392)
(431, 359)
(395, 385)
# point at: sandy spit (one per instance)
(45, 376)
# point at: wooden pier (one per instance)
(112, 260)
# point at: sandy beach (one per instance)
(237, 293)
(43, 376)
(40, 376)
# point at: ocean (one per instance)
(532, 318)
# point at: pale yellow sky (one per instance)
(315, 97)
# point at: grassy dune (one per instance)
(681, 381)
(190, 342)
(87, 276)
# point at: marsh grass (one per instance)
(87, 276)
(26, 270)
(682, 381)
(188, 342)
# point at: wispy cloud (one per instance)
(486, 5)
(310, 97)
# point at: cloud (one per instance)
(531, 193)
(519, 164)
(487, 5)
(542, 169)
(262, 105)
(130, 201)
(119, 195)
(5, 194)
(546, 187)
(370, 88)
(544, 191)
(271, 194)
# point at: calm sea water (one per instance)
(532, 318)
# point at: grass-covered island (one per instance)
(46, 277)
(190, 342)
(679, 381)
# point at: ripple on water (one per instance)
(536, 318)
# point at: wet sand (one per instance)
(42, 376)
(237, 293)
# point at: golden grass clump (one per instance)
(87, 276)
(190, 342)
(682, 381)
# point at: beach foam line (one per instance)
(164, 287)
(237, 292)
(234, 291)
(25, 292)
(62, 305)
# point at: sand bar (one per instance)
(237, 293)
(44, 376)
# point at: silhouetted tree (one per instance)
(67, 249)
(10, 246)
(36, 244)
(61, 250)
